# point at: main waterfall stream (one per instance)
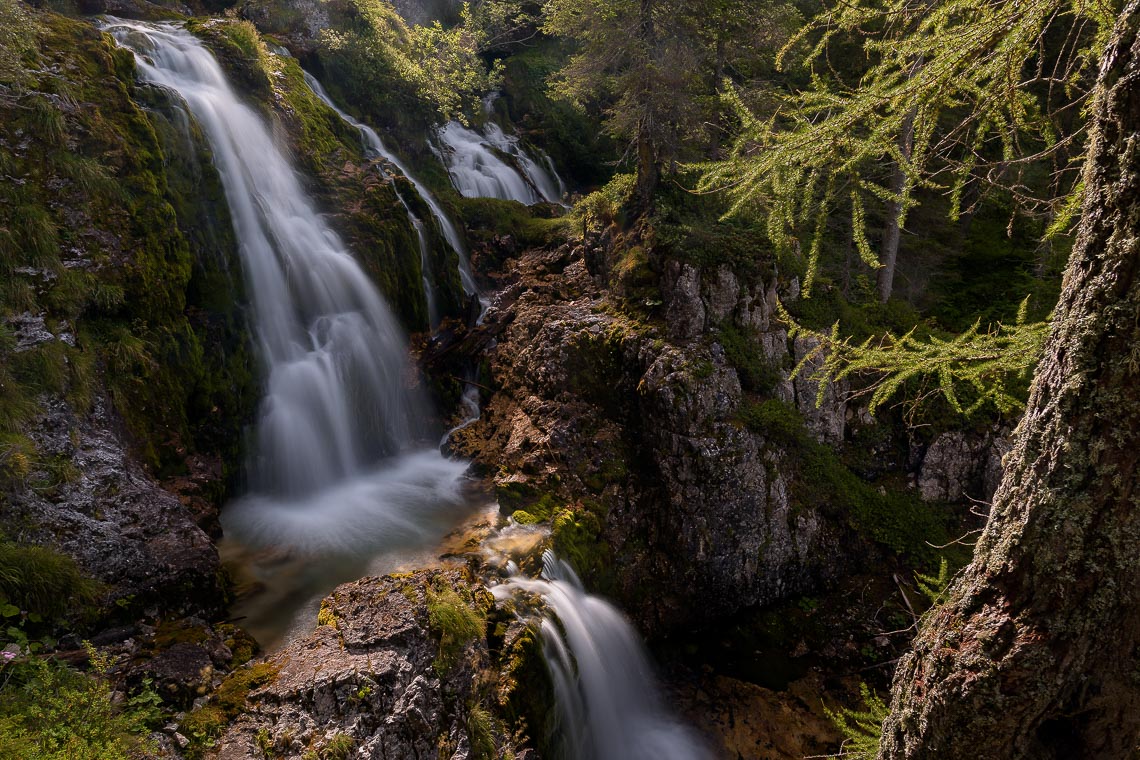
(338, 484)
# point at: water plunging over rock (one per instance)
(334, 469)
(607, 701)
(376, 146)
(478, 170)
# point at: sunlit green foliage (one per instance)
(986, 91)
(432, 64)
(49, 711)
(862, 728)
(970, 370)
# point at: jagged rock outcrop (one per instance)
(635, 428)
(386, 674)
(96, 504)
(959, 465)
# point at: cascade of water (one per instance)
(333, 466)
(376, 145)
(470, 399)
(374, 148)
(477, 172)
(607, 701)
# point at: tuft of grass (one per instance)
(42, 582)
(480, 733)
(456, 624)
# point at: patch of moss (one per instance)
(516, 496)
(205, 724)
(576, 536)
(171, 632)
(326, 616)
(525, 695)
(487, 218)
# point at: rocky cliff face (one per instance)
(628, 434)
(97, 504)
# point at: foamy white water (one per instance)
(335, 472)
(477, 172)
(608, 703)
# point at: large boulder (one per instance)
(394, 669)
(88, 497)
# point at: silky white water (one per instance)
(335, 470)
(477, 172)
(606, 697)
(375, 145)
(375, 149)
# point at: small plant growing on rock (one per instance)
(456, 624)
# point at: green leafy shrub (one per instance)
(49, 711)
(604, 207)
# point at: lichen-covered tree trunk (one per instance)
(1035, 653)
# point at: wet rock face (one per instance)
(372, 679)
(100, 507)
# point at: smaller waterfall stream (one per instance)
(478, 172)
(607, 701)
(373, 142)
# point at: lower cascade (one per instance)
(607, 702)
(335, 471)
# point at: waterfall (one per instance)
(374, 148)
(375, 145)
(334, 468)
(607, 701)
(477, 171)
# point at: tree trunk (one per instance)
(648, 160)
(1035, 653)
(885, 278)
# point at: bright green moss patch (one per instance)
(204, 725)
(577, 538)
